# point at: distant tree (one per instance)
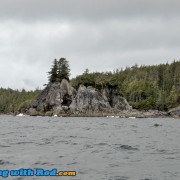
(173, 97)
(162, 101)
(161, 77)
(53, 73)
(135, 66)
(63, 70)
(86, 71)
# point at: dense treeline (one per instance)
(12, 101)
(145, 87)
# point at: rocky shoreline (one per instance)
(122, 114)
(61, 99)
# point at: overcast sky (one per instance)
(101, 35)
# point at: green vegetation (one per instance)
(60, 70)
(15, 101)
(145, 87)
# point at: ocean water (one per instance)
(96, 148)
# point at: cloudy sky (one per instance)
(101, 35)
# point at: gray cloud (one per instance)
(101, 35)
(80, 9)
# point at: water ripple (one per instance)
(96, 148)
(124, 147)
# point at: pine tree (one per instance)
(53, 73)
(60, 70)
(86, 71)
(161, 77)
(173, 96)
(63, 71)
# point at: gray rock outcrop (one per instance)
(116, 101)
(62, 98)
(54, 97)
(33, 112)
(175, 111)
(88, 99)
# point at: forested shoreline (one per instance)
(144, 87)
(13, 101)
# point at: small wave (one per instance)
(102, 124)
(28, 126)
(43, 143)
(74, 144)
(4, 146)
(5, 134)
(96, 151)
(3, 163)
(114, 165)
(171, 174)
(165, 152)
(41, 163)
(101, 144)
(62, 142)
(125, 147)
(87, 129)
(73, 136)
(134, 126)
(20, 178)
(60, 156)
(72, 163)
(118, 178)
(88, 146)
(23, 142)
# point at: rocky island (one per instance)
(142, 92)
(62, 99)
(94, 94)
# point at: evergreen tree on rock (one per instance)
(60, 70)
(53, 73)
(63, 71)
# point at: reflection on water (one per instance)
(96, 148)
